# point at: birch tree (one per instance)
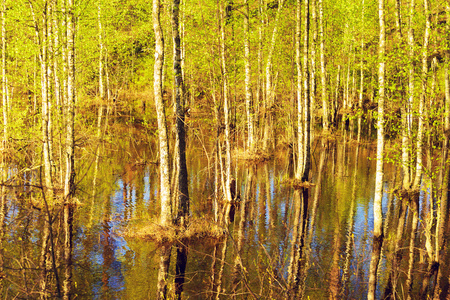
(248, 93)
(69, 183)
(377, 202)
(4, 80)
(323, 81)
(165, 192)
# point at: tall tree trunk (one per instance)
(43, 59)
(313, 59)
(300, 120)
(69, 184)
(442, 207)
(420, 126)
(4, 85)
(406, 109)
(306, 98)
(377, 202)
(248, 88)
(270, 93)
(226, 105)
(183, 190)
(260, 79)
(325, 111)
(164, 164)
(361, 80)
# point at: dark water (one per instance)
(336, 248)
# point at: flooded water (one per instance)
(323, 233)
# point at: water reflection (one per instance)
(283, 242)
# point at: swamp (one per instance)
(212, 149)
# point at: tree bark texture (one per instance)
(164, 164)
(377, 202)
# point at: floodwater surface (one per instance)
(322, 233)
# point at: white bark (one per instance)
(226, 107)
(325, 111)
(420, 126)
(377, 202)
(4, 82)
(248, 93)
(165, 193)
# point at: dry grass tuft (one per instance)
(299, 184)
(255, 156)
(201, 229)
(152, 232)
(196, 229)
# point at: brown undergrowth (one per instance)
(197, 229)
(256, 156)
(299, 184)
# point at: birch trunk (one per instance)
(361, 80)
(4, 86)
(306, 98)
(420, 126)
(69, 184)
(442, 208)
(300, 120)
(406, 110)
(165, 194)
(270, 93)
(101, 86)
(226, 106)
(325, 113)
(70, 102)
(260, 80)
(313, 58)
(248, 92)
(43, 59)
(377, 202)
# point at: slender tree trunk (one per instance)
(442, 207)
(4, 86)
(69, 184)
(50, 94)
(300, 120)
(183, 190)
(313, 59)
(260, 80)
(226, 106)
(398, 17)
(248, 91)
(377, 202)
(307, 97)
(335, 107)
(361, 80)
(420, 126)
(164, 164)
(43, 59)
(325, 110)
(270, 93)
(406, 110)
